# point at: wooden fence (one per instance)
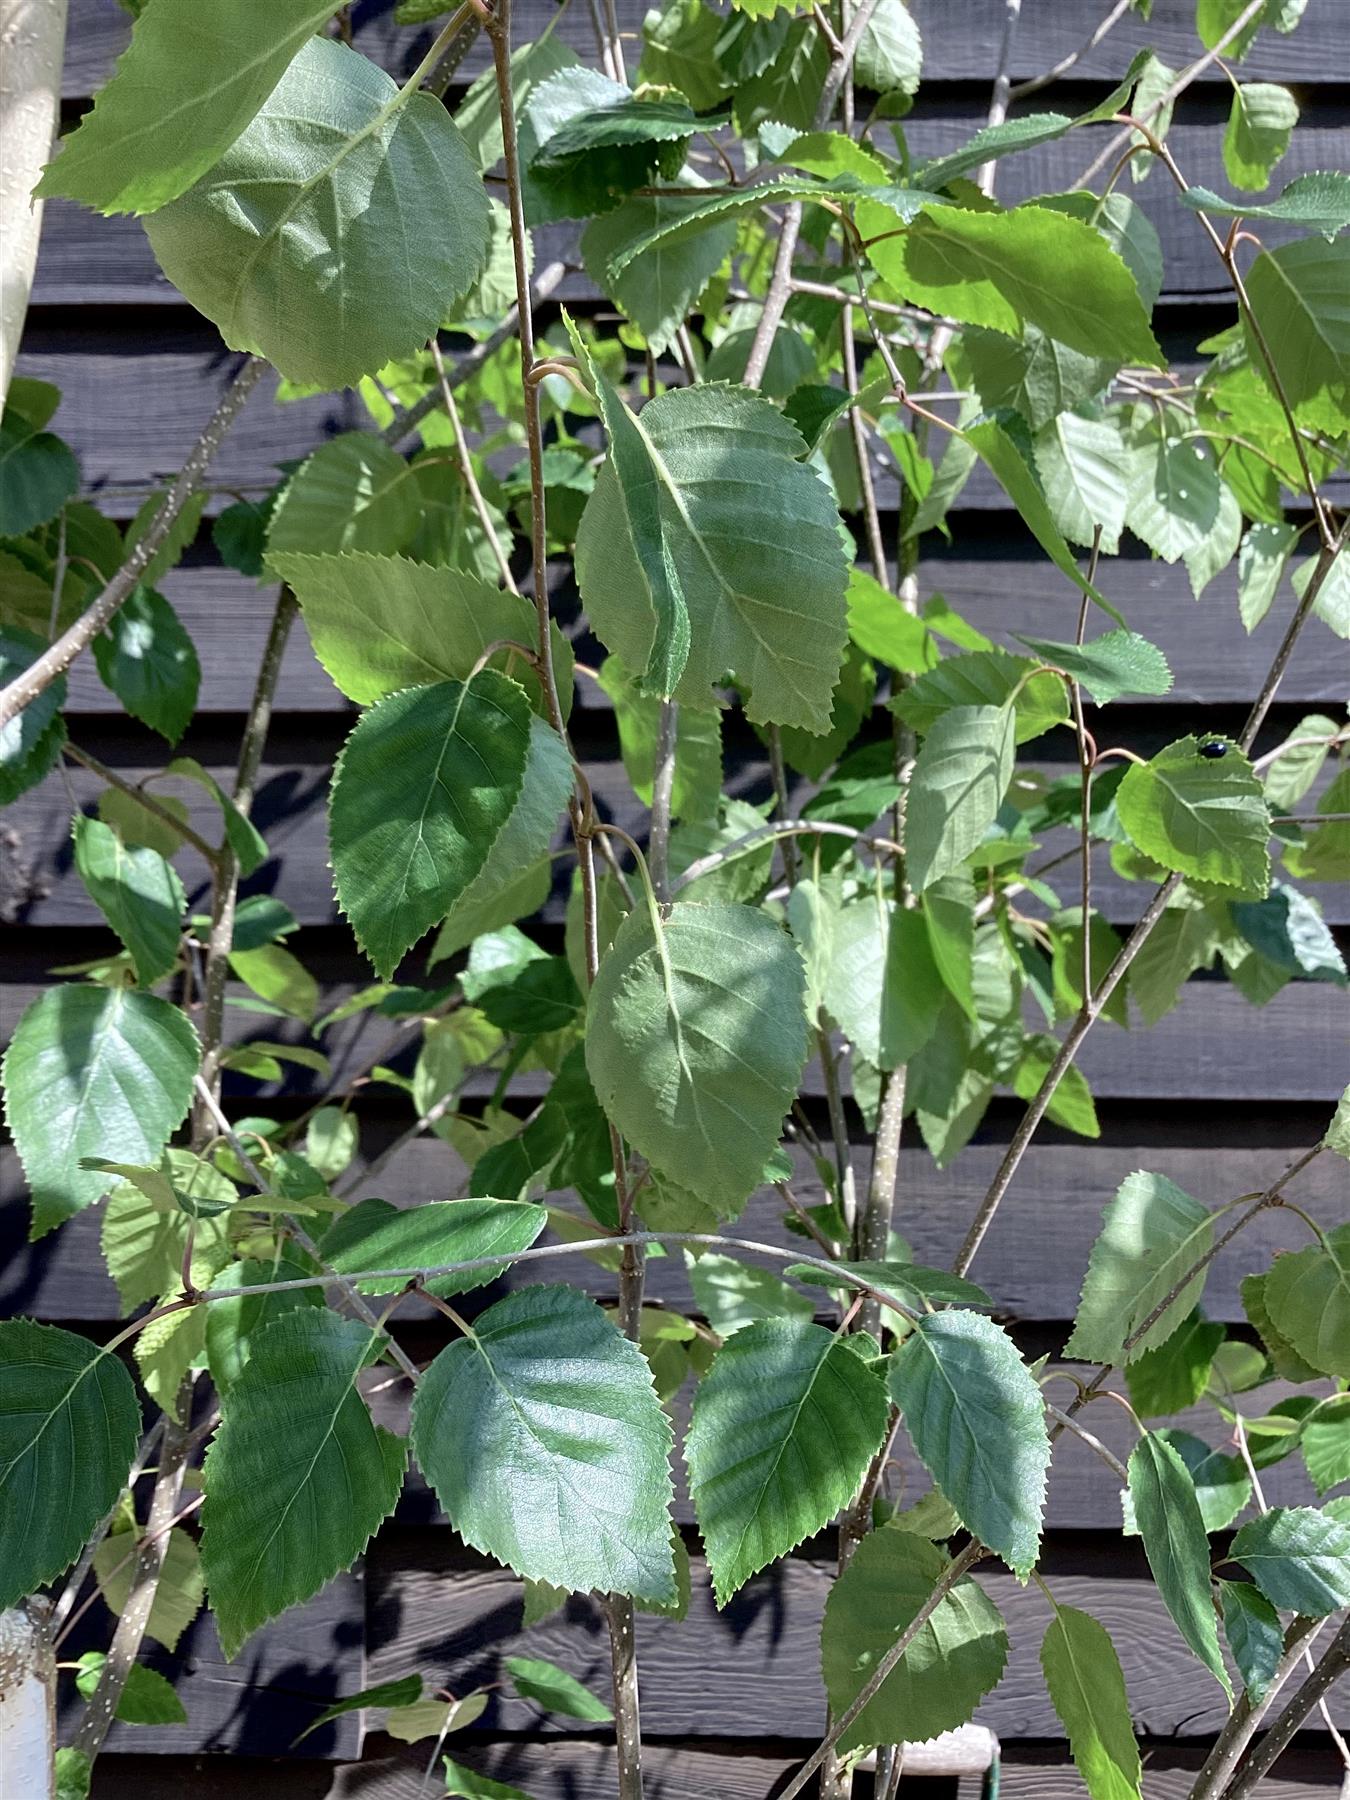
(1216, 1096)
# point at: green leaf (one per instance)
(698, 745)
(73, 1771)
(957, 1656)
(1260, 124)
(1173, 1376)
(547, 1447)
(554, 1689)
(1201, 814)
(1262, 559)
(585, 139)
(695, 1042)
(1255, 1635)
(183, 91)
(1029, 266)
(240, 534)
(382, 623)
(423, 787)
(1152, 1233)
(1332, 602)
(147, 659)
(181, 533)
(960, 777)
(1071, 1104)
(732, 1295)
(1307, 1294)
(1174, 492)
(784, 1425)
(697, 214)
(889, 57)
(30, 744)
(434, 1718)
(679, 48)
(1082, 463)
(178, 1594)
(1298, 1558)
(353, 493)
(1173, 1531)
(479, 115)
(69, 1420)
(1121, 662)
(241, 834)
(287, 242)
(658, 288)
(297, 1478)
(986, 678)
(1325, 1443)
(473, 1786)
(1298, 292)
(978, 1422)
(331, 1140)
(883, 985)
(138, 893)
(1288, 930)
(1087, 1690)
(146, 1699)
(1222, 1486)
(234, 1326)
(948, 907)
(38, 474)
(1185, 939)
(375, 1235)
(1319, 201)
(93, 1071)
(684, 569)
(403, 1692)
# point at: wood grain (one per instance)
(443, 1611)
(961, 39)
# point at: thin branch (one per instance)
(1189, 74)
(998, 104)
(1023, 89)
(1334, 1662)
(208, 853)
(467, 470)
(1093, 1442)
(58, 657)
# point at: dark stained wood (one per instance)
(41, 888)
(1169, 1772)
(85, 259)
(961, 40)
(227, 616)
(442, 1611)
(1056, 1202)
(284, 1676)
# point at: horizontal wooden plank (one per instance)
(86, 260)
(1003, 591)
(444, 1612)
(1083, 1493)
(284, 1676)
(1057, 1199)
(1169, 1774)
(38, 886)
(170, 1777)
(961, 40)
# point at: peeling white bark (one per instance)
(27, 1704)
(32, 43)
(969, 1750)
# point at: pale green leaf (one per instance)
(1152, 1234)
(288, 242)
(1029, 266)
(1202, 814)
(889, 57)
(1262, 558)
(146, 1699)
(554, 1689)
(93, 1071)
(179, 1591)
(1219, 546)
(732, 1294)
(1087, 1689)
(1301, 294)
(1298, 1558)
(986, 678)
(1307, 1294)
(960, 777)
(1173, 1531)
(657, 288)
(948, 907)
(698, 745)
(1332, 603)
(1185, 939)
(297, 1479)
(1082, 464)
(883, 985)
(1174, 492)
(784, 1425)
(424, 786)
(1319, 201)
(186, 87)
(69, 1420)
(403, 1692)
(1325, 1443)
(978, 1422)
(544, 1440)
(1260, 123)
(381, 623)
(353, 493)
(434, 1718)
(882, 628)
(695, 1041)
(910, 1285)
(470, 1785)
(138, 893)
(957, 1656)
(683, 566)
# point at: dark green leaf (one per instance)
(1173, 1531)
(1298, 1558)
(1255, 1635)
(376, 1235)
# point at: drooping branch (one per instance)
(1331, 1666)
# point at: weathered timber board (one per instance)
(437, 1608)
(1004, 591)
(961, 40)
(1032, 1261)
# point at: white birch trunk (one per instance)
(32, 43)
(27, 1705)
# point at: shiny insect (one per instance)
(1214, 747)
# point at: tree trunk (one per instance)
(32, 43)
(27, 1703)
